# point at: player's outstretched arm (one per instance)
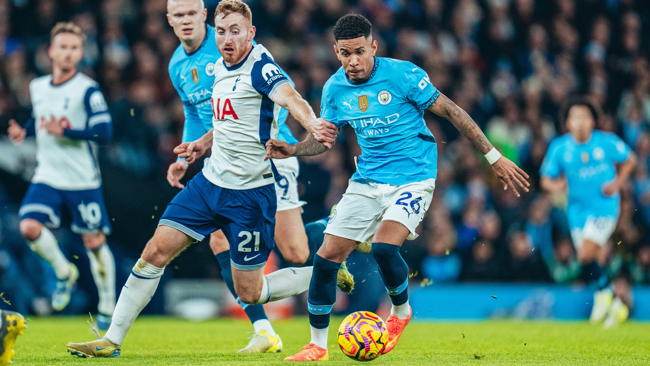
(190, 151)
(507, 171)
(288, 98)
(276, 149)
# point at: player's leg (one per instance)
(40, 207)
(265, 339)
(90, 220)
(291, 237)
(589, 242)
(102, 267)
(355, 219)
(187, 219)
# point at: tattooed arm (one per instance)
(447, 109)
(507, 171)
(281, 150)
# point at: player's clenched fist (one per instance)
(190, 151)
(176, 172)
(16, 133)
(324, 131)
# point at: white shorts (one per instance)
(287, 187)
(365, 205)
(596, 229)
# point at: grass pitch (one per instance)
(169, 341)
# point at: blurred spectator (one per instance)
(482, 265)
(523, 264)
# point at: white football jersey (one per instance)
(244, 119)
(78, 104)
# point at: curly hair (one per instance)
(233, 6)
(352, 26)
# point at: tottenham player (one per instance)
(70, 117)
(392, 188)
(235, 192)
(192, 69)
(583, 162)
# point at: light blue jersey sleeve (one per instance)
(328, 110)
(418, 87)
(616, 148)
(193, 128)
(551, 166)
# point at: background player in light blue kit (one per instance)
(583, 161)
(191, 70)
(384, 101)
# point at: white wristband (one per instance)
(493, 155)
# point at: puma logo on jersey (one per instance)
(347, 103)
(220, 111)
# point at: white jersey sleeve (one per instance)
(244, 119)
(78, 104)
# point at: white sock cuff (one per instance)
(145, 270)
(46, 236)
(265, 295)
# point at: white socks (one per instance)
(47, 247)
(136, 294)
(401, 311)
(285, 283)
(264, 324)
(102, 266)
(319, 336)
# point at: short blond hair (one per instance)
(234, 6)
(67, 27)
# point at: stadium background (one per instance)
(509, 63)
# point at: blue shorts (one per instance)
(247, 218)
(43, 204)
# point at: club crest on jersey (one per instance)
(195, 75)
(363, 103)
(584, 157)
(384, 97)
(209, 69)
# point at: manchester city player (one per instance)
(70, 118)
(584, 162)
(235, 191)
(192, 71)
(384, 101)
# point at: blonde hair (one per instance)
(234, 6)
(67, 27)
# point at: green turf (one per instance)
(168, 341)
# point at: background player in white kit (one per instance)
(69, 117)
(235, 192)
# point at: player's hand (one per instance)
(190, 151)
(612, 188)
(324, 132)
(510, 174)
(176, 172)
(278, 150)
(16, 133)
(53, 127)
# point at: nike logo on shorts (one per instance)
(251, 258)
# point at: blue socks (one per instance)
(315, 236)
(254, 312)
(393, 271)
(322, 291)
(595, 275)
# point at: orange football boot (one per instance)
(310, 352)
(395, 327)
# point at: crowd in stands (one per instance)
(509, 63)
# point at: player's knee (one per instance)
(588, 252)
(248, 295)
(154, 254)
(296, 254)
(30, 229)
(93, 241)
(218, 242)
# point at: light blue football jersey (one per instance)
(386, 112)
(588, 167)
(193, 77)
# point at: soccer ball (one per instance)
(363, 336)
